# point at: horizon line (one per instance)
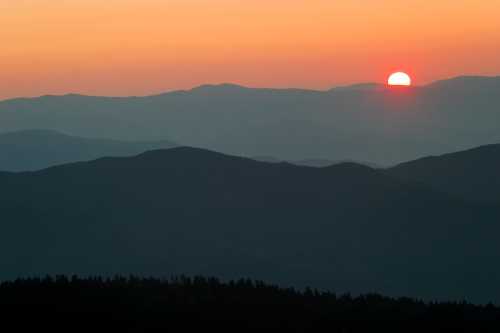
(230, 84)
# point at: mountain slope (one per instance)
(310, 162)
(364, 123)
(472, 174)
(39, 149)
(346, 227)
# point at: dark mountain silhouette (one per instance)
(311, 162)
(472, 174)
(366, 122)
(39, 149)
(190, 211)
(316, 162)
(268, 159)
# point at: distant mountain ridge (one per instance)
(362, 123)
(38, 149)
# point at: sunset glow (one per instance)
(139, 47)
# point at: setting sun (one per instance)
(399, 79)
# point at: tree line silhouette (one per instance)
(138, 303)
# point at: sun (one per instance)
(399, 79)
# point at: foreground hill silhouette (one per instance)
(348, 228)
(39, 149)
(138, 305)
(363, 122)
(472, 174)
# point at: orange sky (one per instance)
(137, 47)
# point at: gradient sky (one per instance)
(137, 47)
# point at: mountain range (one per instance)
(367, 122)
(346, 227)
(472, 174)
(312, 162)
(31, 150)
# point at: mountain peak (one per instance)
(224, 87)
(470, 174)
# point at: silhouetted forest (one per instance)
(138, 304)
